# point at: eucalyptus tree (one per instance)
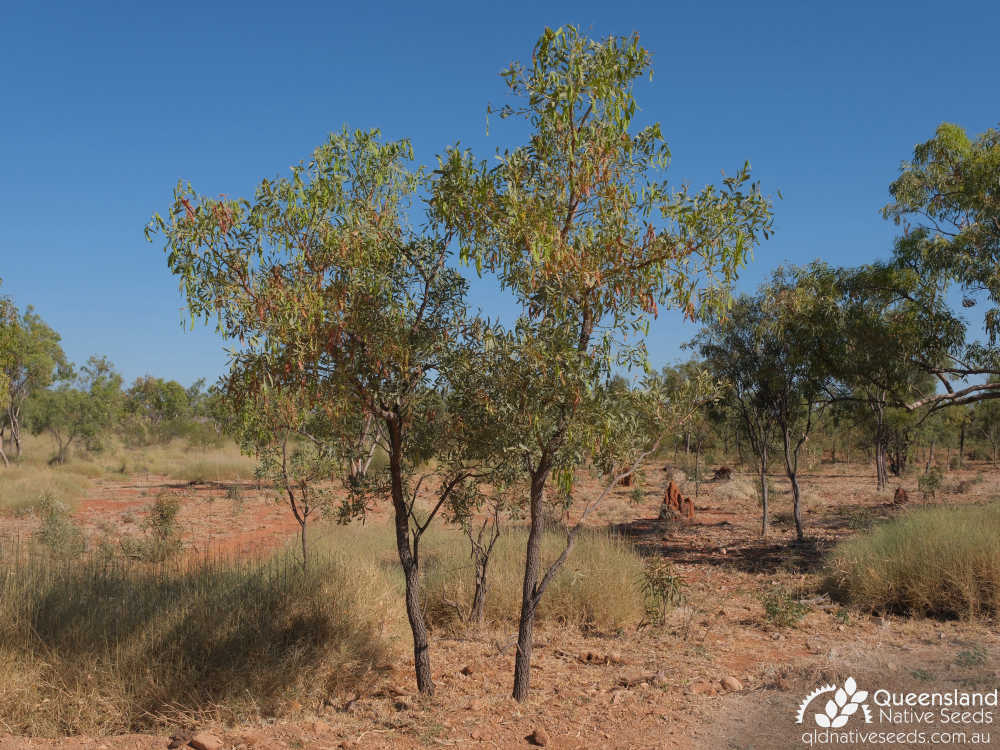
(335, 298)
(30, 360)
(738, 350)
(946, 197)
(81, 407)
(580, 225)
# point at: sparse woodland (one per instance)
(441, 474)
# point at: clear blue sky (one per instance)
(105, 106)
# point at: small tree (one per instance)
(78, 409)
(569, 224)
(30, 360)
(338, 303)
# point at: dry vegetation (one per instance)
(634, 636)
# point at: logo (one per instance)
(841, 707)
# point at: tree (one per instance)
(986, 423)
(738, 351)
(154, 406)
(80, 408)
(946, 198)
(338, 302)
(580, 226)
(30, 359)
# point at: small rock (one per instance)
(467, 670)
(615, 657)
(841, 628)
(539, 737)
(401, 705)
(205, 741)
(731, 684)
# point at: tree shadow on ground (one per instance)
(666, 539)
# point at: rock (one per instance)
(615, 657)
(467, 670)
(180, 739)
(731, 684)
(205, 741)
(539, 737)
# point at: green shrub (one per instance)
(663, 588)
(930, 482)
(782, 609)
(935, 561)
(58, 534)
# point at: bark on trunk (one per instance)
(791, 470)
(763, 493)
(532, 566)
(409, 560)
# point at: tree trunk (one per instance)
(763, 493)
(791, 469)
(15, 433)
(961, 446)
(477, 611)
(410, 561)
(302, 535)
(532, 566)
(697, 467)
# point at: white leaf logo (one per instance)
(844, 703)
(832, 709)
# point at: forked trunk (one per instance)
(409, 560)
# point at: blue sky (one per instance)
(105, 106)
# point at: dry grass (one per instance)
(32, 476)
(599, 588)
(942, 562)
(102, 645)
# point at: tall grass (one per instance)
(599, 588)
(942, 562)
(104, 645)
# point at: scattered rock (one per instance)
(731, 684)
(539, 737)
(205, 741)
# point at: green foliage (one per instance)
(930, 482)
(941, 562)
(946, 198)
(782, 609)
(663, 587)
(80, 408)
(58, 533)
(30, 359)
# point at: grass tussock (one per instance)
(600, 587)
(106, 645)
(22, 487)
(940, 562)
